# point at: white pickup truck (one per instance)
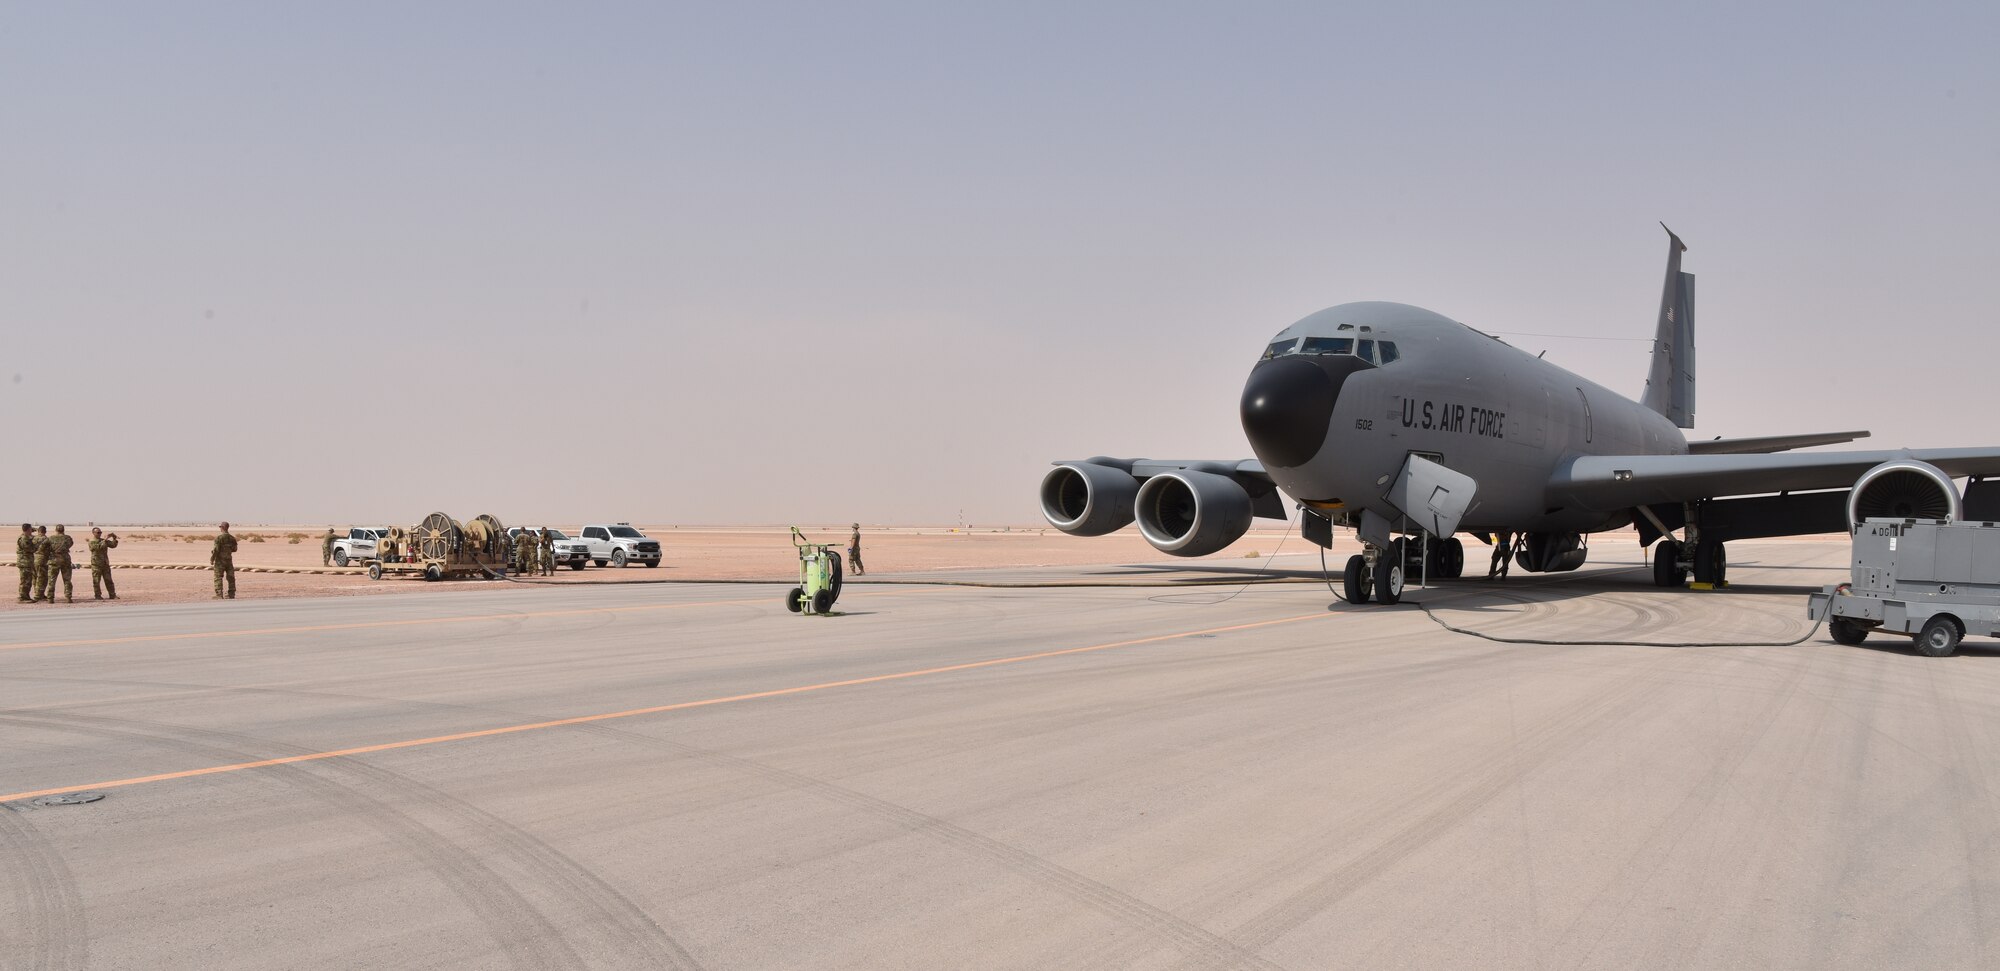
(619, 544)
(358, 546)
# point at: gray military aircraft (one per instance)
(1411, 428)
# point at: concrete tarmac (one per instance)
(688, 776)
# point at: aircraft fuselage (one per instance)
(1469, 401)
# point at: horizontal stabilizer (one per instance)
(1770, 443)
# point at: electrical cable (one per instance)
(1168, 598)
(1327, 575)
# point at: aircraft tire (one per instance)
(1711, 564)
(1389, 575)
(1354, 583)
(1940, 637)
(1454, 558)
(1667, 564)
(1847, 632)
(795, 600)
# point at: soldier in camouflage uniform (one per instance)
(40, 565)
(223, 559)
(100, 547)
(24, 563)
(326, 548)
(548, 553)
(59, 566)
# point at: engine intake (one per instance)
(1189, 513)
(1903, 489)
(1083, 499)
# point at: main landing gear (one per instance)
(1379, 574)
(1673, 561)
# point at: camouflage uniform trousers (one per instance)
(58, 568)
(326, 551)
(225, 570)
(24, 564)
(38, 570)
(548, 561)
(100, 577)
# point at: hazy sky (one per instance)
(760, 263)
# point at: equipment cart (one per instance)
(1932, 579)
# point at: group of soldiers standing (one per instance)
(533, 554)
(43, 558)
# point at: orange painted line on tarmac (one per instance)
(411, 622)
(657, 709)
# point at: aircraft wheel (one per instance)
(795, 600)
(1355, 582)
(1454, 558)
(1940, 637)
(1389, 575)
(1667, 564)
(1711, 564)
(1847, 632)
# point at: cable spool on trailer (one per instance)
(436, 538)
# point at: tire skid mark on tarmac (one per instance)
(1162, 925)
(51, 933)
(1968, 783)
(526, 934)
(1212, 950)
(1436, 809)
(1666, 838)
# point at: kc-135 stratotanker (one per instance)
(1412, 428)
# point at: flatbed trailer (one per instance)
(1934, 580)
(442, 548)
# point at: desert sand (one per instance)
(692, 553)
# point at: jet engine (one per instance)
(1085, 499)
(1903, 489)
(1189, 513)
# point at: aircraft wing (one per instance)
(1611, 482)
(1143, 469)
(1770, 443)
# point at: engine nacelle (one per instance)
(1903, 489)
(1083, 499)
(1189, 513)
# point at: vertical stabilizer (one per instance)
(1670, 384)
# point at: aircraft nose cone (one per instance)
(1287, 404)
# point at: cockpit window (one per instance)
(1368, 351)
(1387, 349)
(1328, 345)
(1279, 349)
